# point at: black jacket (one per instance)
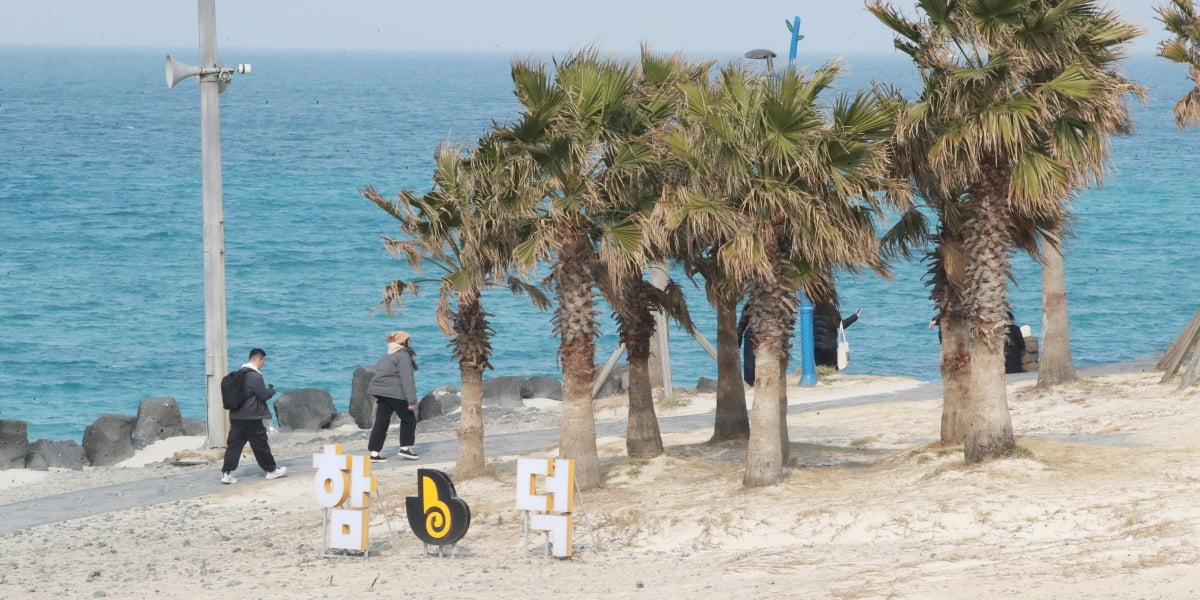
(825, 330)
(1014, 350)
(255, 407)
(744, 331)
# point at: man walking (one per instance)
(246, 423)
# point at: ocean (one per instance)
(101, 264)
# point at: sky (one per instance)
(512, 26)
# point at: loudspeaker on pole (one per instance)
(178, 71)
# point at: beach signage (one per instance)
(343, 485)
(550, 511)
(436, 514)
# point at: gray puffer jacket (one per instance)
(255, 407)
(394, 377)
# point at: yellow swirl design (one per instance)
(437, 514)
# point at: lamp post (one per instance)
(761, 54)
(213, 80)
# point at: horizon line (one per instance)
(455, 51)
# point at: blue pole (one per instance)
(795, 38)
(808, 359)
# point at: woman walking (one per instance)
(395, 391)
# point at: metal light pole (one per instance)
(661, 341)
(213, 80)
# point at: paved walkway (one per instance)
(201, 482)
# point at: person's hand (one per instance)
(411, 407)
(858, 312)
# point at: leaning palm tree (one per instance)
(788, 190)
(563, 134)
(1182, 21)
(999, 76)
(456, 229)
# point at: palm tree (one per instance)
(1055, 366)
(946, 278)
(1079, 138)
(455, 228)
(697, 216)
(1182, 21)
(564, 134)
(786, 191)
(1003, 116)
(632, 181)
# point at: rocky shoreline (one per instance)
(113, 438)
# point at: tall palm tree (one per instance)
(697, 216)
(632, 181)
(786, 190)
(456, 229)
(1079, 138)
(563, 133)
(1055, 366)
(1182, 21)
(999, 77)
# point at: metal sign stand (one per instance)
(343, 553)
(442, 549)
(582, 512)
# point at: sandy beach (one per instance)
(1100, 501)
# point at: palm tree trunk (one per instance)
(472, 349)
(764, 459)
(470, 461)
(577, 430)
(956, 371)
(575, 323)
(989, 429)
(987, 241)
(642, 437)
(732, 421)
(776, 314)
(785, 446)
(953, 332)
(1055, 365)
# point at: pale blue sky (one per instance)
(694, 26)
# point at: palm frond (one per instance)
(520, 287)
(1187, 110)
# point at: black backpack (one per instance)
(233, 389)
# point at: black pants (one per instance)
(384, 407)
(247, 430)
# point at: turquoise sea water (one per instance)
(101, 270)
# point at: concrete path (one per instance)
(201, 482)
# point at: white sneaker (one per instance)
(228, 478)
(277, 473)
